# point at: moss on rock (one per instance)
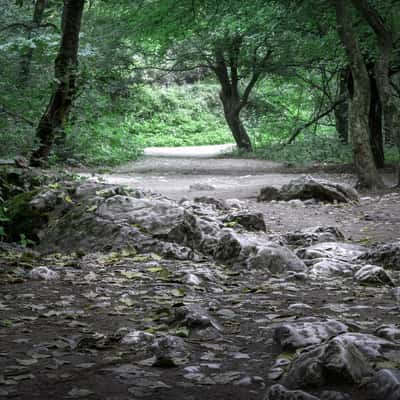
(23, 219)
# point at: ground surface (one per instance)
(177, 172)
(55, 336)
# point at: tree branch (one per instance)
(16, 116)
(314, 120)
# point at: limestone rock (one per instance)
(348, 357)
(252, 221)
(334, 250)
(268, 193)
(326, 267)
(386, 255)
(279, 392)
(384, 385)
(307, 187)
(294, 335)
(194, 316)
(276, 259)
(170, 351)
(43, 274)
(372, 274)
(310, 236)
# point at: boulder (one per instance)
(332, 250)
(43, 274)
(374, 275)
(279, 392)
(195, 317)
(325, 267)
(169, 351)
(384, 385)
(389, 332)
(348, 357)
(386, 255)
(268, 193)
(306, 187)
(310, 236)
(276, 259)
(294, 335)
(251, 221)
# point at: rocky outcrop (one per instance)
(306, 187)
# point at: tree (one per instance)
(385, 40)
(235, 40)
(54, 118)
(367, 173)
(26, 58)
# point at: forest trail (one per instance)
(200, 170)
(190, 172)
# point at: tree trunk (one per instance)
(367, 173)
(232, 117)
(341, 111)
(226, 70)
(66, 63)
(26, 58)
(375, 125)
(384, 37)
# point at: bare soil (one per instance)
(41, 323)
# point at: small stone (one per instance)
(43, 274)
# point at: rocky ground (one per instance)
(132, 294)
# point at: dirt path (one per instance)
(189, 172)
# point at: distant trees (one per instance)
(235, 40)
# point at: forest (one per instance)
(200, 198)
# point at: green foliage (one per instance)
(149, 116)
(312, 149)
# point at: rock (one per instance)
(21, 162)
(395, 292)
(307, 187)
(137, 338)
(386, 255)
(23, 219)
(201, 187)
(46, 201)
(372, 274)
(348, 357)
(294, 335)
(334, 250)
(229, 246)
(268, 193)
(276, 259)
(43, 274)
(235, 203)
(331, 395)
(252, 221)
(279, 392)
(389, 332)
(384, 385)
(194, 316)
(218, 204)
(170, 351)
(299, 308)
(309, 236)
(325, 267)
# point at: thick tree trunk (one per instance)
(341, 111)
(232, 117)
(367, 173)
(56, 114)
(26, 58)
(384, 37)
(226, 70)
(375, 125)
